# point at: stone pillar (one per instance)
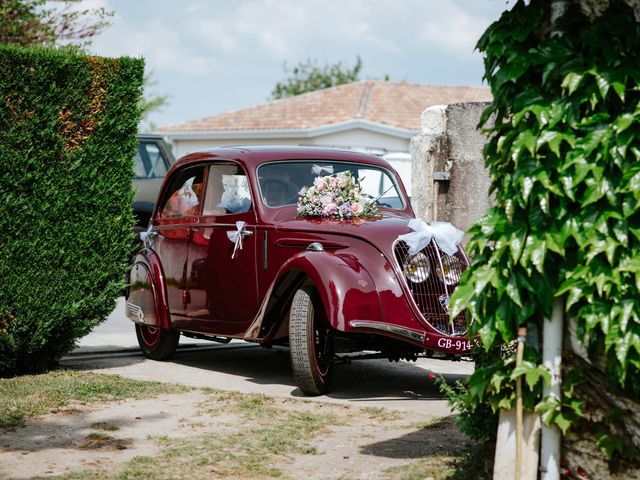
(449, 180)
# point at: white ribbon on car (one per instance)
(446, 236)
(236, 237)
(322, 170)
(145, 236)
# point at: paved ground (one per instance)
(117, 333)
(244, 367)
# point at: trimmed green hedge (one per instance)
(68, 125)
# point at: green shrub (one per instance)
(68, 125)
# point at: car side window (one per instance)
(184, 195)
(150, 161)
(227, 190)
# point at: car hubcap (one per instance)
(150, 335)
(322, 349)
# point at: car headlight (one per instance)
(450, 270)
(416, 267)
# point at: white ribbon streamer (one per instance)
(446, 236)
(236, 237)
(145, 236)
(322, 170)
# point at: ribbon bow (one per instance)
(146, 236)
(236, 237)
(446, 236)
(322, 170)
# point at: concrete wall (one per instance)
(449, 180)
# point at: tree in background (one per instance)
(150, 103)
(47, 23)
(34, 22)
(308, 76)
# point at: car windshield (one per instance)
(281, 182)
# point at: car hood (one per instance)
(381, 232)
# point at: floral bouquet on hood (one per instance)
(337, 196)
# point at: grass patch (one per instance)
(270, 433)
(437, 424)
(438, 467)
(105, 426)
(99, 436)
(469, 464)
(32, 395)
(382, 414)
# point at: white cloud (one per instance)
(453, 29)
(287, 29)
(216, 55)
(162, 46)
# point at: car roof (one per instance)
(251, 156)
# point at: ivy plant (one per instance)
(563, 154)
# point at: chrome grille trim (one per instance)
(430, 298)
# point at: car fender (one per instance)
(146, 294)
(345, 287)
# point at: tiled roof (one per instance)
(396, 104)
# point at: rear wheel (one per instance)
(157, 343)
(310, 343)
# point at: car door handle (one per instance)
(246, 233)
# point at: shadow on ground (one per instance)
(440, 439)
(234, 366)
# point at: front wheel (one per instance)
(157, 343)
(310, 343)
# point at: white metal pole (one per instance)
(552, 359)
(550, 440)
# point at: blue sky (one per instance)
(219, 55)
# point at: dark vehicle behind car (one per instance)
(151, 163)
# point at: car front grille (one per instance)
(431, 297)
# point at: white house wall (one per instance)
(393, 148)
(361, 138)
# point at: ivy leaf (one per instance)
(513, 291)
(603, 85)
(571, 82)
(532, 373)
(526, 140)
(553, 139)
(596, 192)
(554, 242)
(622, 347)
(619, 88)
(609, 443)
(478, 381)
(626, 312)
(463, 295)
(538, 253)
(562, 422)
(488, 332)
(623, 122)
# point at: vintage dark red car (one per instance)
(248, 243)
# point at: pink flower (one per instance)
(329, 209)
(357, 208)
(432, 376)
(319, 184)
(342, 182)
(333, 181)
